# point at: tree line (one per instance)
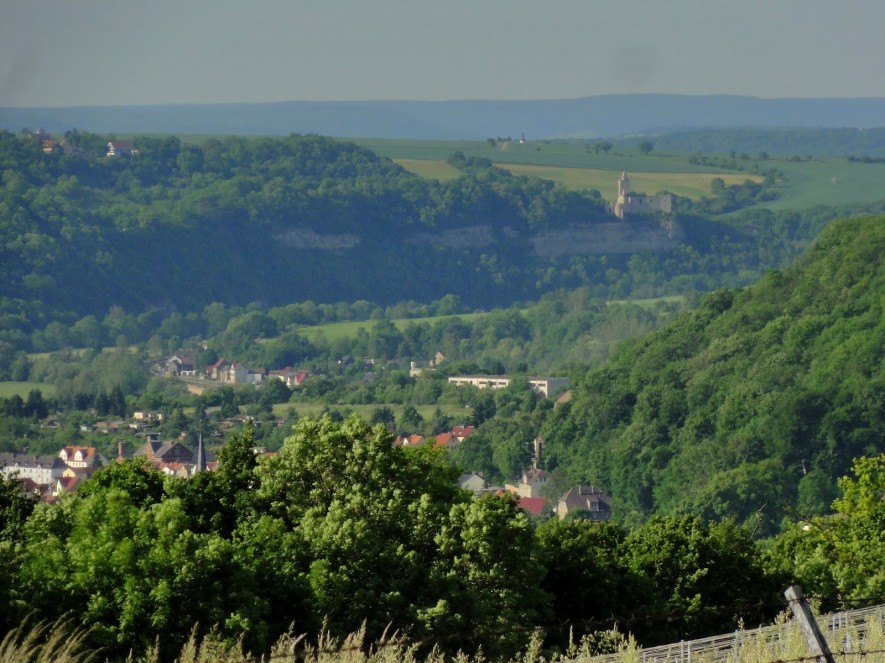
(341, 530)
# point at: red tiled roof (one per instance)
(534, 505)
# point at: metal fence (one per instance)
(845, 631)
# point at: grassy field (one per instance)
(561, 154)
(809, 182)
(828, 182)
(648, 303)
(336, 330)
(690, 185)
(432, 169)
(8, 389)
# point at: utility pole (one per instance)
(803, 614)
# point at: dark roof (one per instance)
(586, 498)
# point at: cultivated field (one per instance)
(690, 185)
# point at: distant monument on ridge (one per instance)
(629, 203)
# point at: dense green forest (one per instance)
(268, 222)
(751, 405)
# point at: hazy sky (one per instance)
(95, 52)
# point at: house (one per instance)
(534, 505)
(589, 500)
(480, 381)
(42, 470)
(148, 416)
(66, 485)
(119, 148)
(180, 364)
(33, 489)
(215, 370)
(530, 483)
(82, 458)
(290, 376)
(236, 373)
(233, 373)
(462, 432)
(472, 481)
(409, 441)
(165, 452)
(547, 387)
(175, 459)
(453, 439)
(446, 441)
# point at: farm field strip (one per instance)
(688, 184)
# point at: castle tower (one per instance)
(623, 187)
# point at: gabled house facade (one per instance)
(181, 364)
(588, 499)
(42, 470)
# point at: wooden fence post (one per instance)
(810, 629)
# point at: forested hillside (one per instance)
(749, 406)
(177, 227)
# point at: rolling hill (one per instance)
(749, 406)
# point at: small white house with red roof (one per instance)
(119, 148)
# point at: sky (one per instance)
(134, 52)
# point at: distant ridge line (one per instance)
(581, 117)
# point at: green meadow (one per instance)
(9, 389)
(827, 182)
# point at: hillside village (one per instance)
(48, 477)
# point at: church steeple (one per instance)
(200, 463)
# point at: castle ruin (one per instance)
(629, 203)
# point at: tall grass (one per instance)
(62, 643)
(59, 642)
